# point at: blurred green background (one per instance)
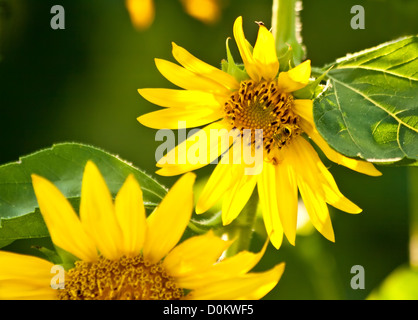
(80, 84)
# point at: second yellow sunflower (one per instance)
(257, 97)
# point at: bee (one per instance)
(283, 134)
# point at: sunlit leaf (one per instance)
(63, 165)
(370, 109)
(401, 284)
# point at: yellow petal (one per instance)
(130, 213)
(216, 186)
(252, 286)
(265, 54)
(25, 277)
(142, 12)
(169, 220)
(246, 54)
(203, 69)
(194, 255)
(287, 199)
(267, 193)
(296, 78)
(174, 98)
(18, 266)
(304, 109)
(325, 181)
(207, 11)
(238, 195)
(63, 224)
(238, 264)
(186, 79)
(304, 162)
(174, 118)
(321, 180)
(333, 196)
(226, 173)
(212, 141)
(23, 290)
(353, 164)
(97, 213)
(311, 190)
(317, 210)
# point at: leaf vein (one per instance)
(344, 120)
(376, 104)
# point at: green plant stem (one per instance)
(413, 209)
(241, 229)
(286, 28)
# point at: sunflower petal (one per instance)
(268, 199)
(287, 200)
(246, 54)
(174, 118)
(130, 212)
(216, 186)
(301, 155)
(237, 197)
(169, 220)
(239, 264)
(18, 266)
(353, 164)
(63, 224)
(22, 290)
(186, 79)
(317, 210)
(174, 98)
(296, 78)
(326, 182)
(97, 213)
(252, 286)
(333, 195)
(203, 69)
(196, 253)
(212, 141)
(265, 54)
(322, 180)
(304, 109)
(25, 277)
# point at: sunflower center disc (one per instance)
(124, 279)
(263, 106)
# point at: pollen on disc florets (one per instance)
(263, 106)
(124, 279)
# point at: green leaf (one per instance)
(50, 255)
(286, 61)
(27, 226)
(401, 284)
(63, 165)
(229, 66)
(370, 108)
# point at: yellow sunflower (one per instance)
(257, 97)
(124, 255)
